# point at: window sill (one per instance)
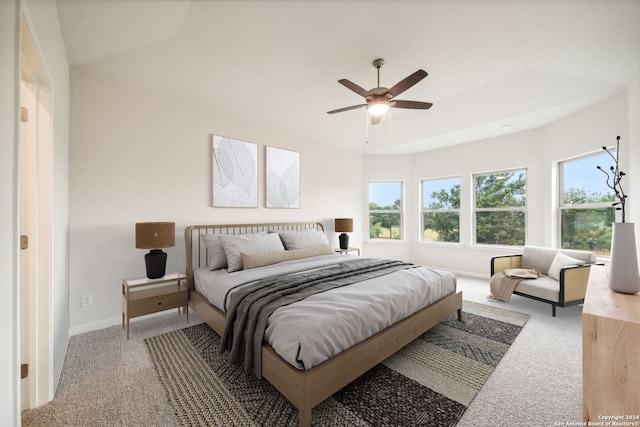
(440, 244)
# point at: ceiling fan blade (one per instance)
(340, 110)
(415, 105)
(354, 87)
(375, 119)
(405, 84)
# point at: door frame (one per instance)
(36, 326)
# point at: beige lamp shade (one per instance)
(154, 235)
(344, 225)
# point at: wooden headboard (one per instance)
(196, 250)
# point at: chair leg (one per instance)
(553, 310)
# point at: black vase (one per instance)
(156, 261)
(344, 241)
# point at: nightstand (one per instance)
(146, 296)
(346, 251)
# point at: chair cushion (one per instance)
(542, 287)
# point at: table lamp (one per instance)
(155, 235)
(344, 225)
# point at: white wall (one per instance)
(42, 18)
(9, 78)
(138, 156)
(537, 150)
(634, 155)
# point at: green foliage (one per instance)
(502, 227)
(375, 229)
(587, 229)
(385, 225)
(396, 233)
(575, 196)
(501, 190)
(444, 199)
(446, 225)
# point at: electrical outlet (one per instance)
(87, 300)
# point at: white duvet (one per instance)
(317, 328)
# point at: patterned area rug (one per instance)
(430, 382)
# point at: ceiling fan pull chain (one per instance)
(389, 126)
(366, 125)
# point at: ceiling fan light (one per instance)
(378, 108)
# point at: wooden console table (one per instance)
(610, 352)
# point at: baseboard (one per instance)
(107, 323)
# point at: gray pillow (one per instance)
(234, 246)
(303, 239)
(216, 257)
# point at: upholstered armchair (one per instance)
(564, 274)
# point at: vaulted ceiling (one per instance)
(495, 66)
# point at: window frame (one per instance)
(399, 211)
(475, 209)
(562, 207)
(423, 210)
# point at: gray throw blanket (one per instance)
(251, 305)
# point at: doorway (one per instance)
(35, 160)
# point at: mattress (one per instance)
(308, 332)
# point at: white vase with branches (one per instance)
(623, 261)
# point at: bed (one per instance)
(307, 387)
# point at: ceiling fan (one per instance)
(380, 99)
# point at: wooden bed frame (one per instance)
(306, 389)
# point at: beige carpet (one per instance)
(540, 377)
(109, 381)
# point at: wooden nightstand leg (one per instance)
(186, 310)
(127, 327)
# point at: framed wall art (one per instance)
(235, 173)
(283, 178)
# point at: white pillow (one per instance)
(561, 261)
(303, 239)
(216, 257)
(234, 246)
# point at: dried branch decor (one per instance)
(613, 180)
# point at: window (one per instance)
(441, 210)
(385, 210)
(500, 208)
(585, 201)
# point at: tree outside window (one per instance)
(500, 208)
(385, 210)
(441, 210)
(585, 207)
